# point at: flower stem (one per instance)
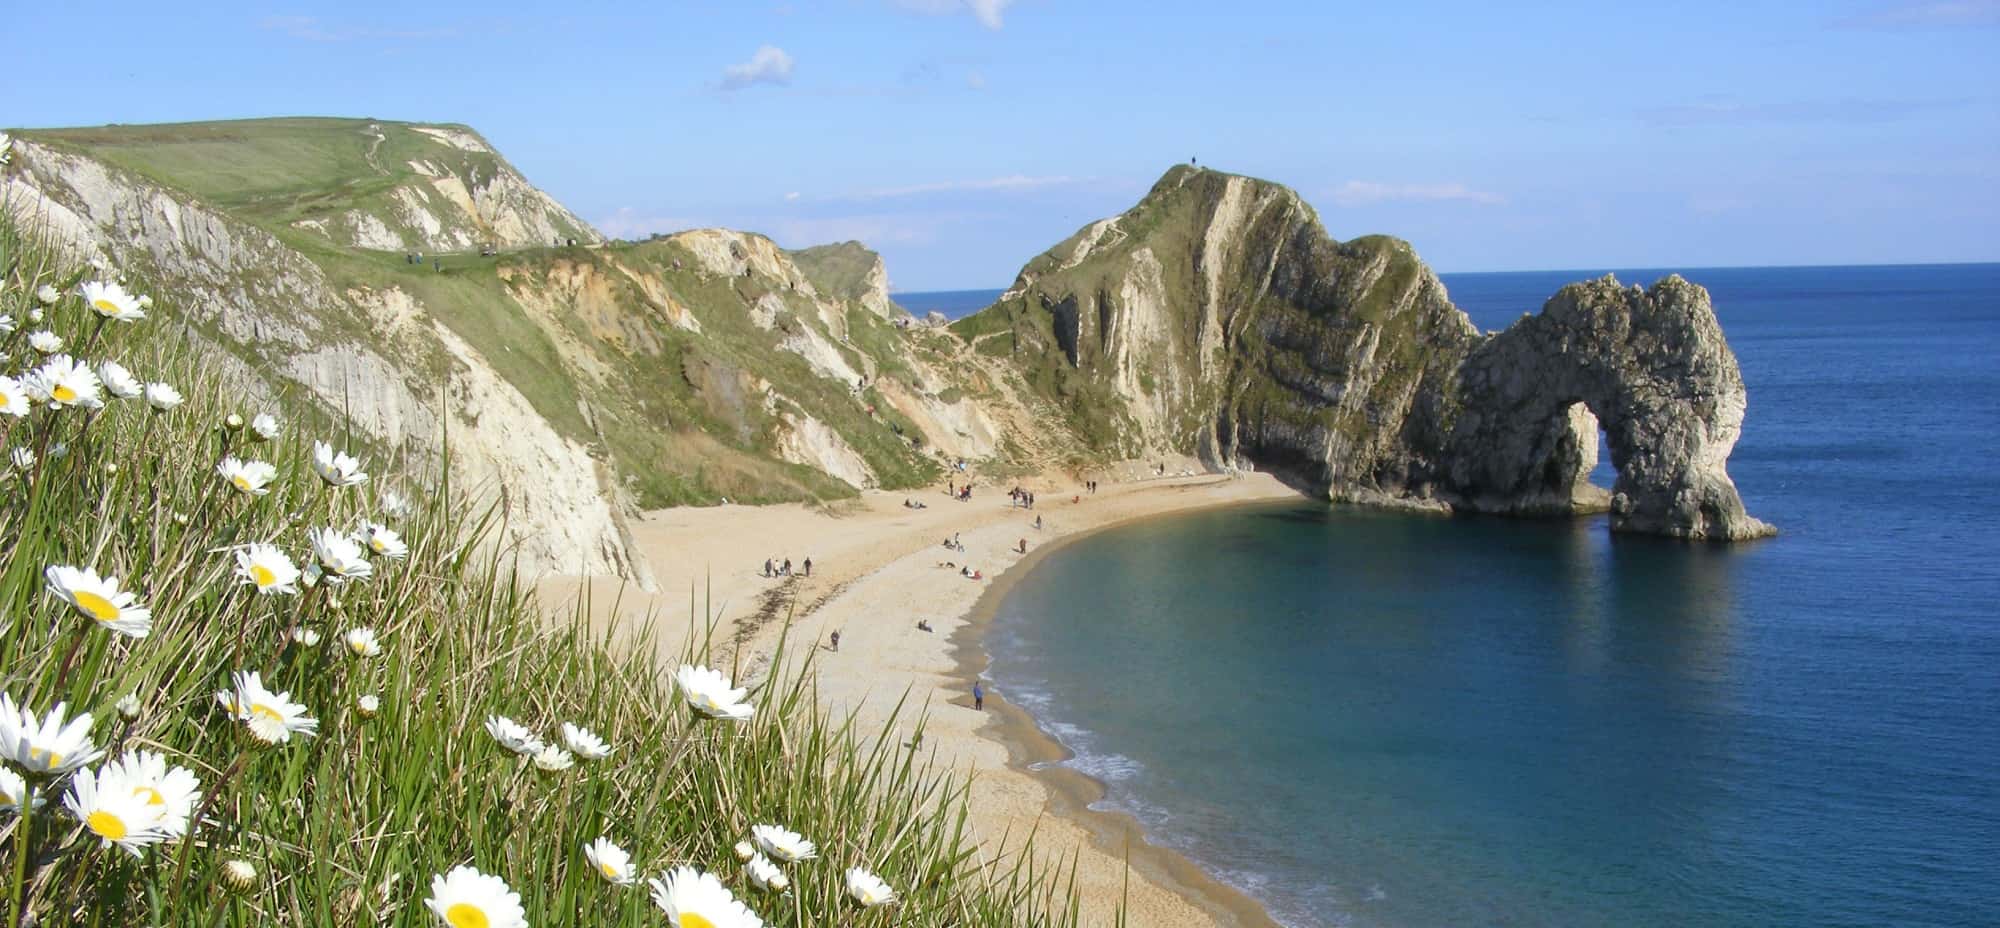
(23, 831)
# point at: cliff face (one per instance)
(1217, 317)
(577, 383)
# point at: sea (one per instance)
(1364, 718)
(954, 304)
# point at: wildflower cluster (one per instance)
(244, 682)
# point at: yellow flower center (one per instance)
(262, 575)
(376, 544)
(465, 915)
(107, 307)
(153, 797)
(95, 606)
(49, 758)
(265, 711)
(610, 872)
(107, 826)
(691, 920)
(242, 483)
(63, 393)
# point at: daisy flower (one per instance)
(62, 382)
(171, 792)
(306, 637)
(48, 294)
(466, 898)
(13, 398)
(272, 718)
(765, 875)
(100, 599)
(110, 301)
(14, 790)
(251, 478)
(584, 742)
(265, 427)
(268, 569)
(783, 844)
(45, 341)
(162, 396)
(118, 381)
(45, 745)
(110, 808)
(127, 706)
(693, 899)
(552, 759)
(394, 505)
(868, 889)
(339, 557)
(338, 469)
(368, 705)
(362, 642)
(611, 862)
(383, 541)
(745, 850)
(513, 735)
(710, 694)
(239, 875)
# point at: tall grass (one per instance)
(348, 827)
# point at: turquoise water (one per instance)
(1373, 719)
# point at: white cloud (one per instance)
(974, 80)
(770, 65)
(1362, 193)
(792, 196)
(1007, 182)
(988, 12)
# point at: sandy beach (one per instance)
(878, 568)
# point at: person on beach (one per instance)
(788, 567)
(1038, 523)
(809, 567)
(978, 696)
(834, 639)
(767, 567)
(923, 625)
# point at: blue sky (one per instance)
(962, 137)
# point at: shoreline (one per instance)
(879, 569)
(1072, 793)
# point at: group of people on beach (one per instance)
(1021, 498)
(774, 567)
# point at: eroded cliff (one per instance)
(1217, 317)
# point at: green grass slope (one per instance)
(347, 820)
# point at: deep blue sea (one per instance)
(1374, 719)
(955, 304)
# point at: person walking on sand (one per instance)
(1024, 546)
(978, 696)
(788, 567)
(834, 639)
(809, 567)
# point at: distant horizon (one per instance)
(893, 291)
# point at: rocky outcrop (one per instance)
(1650, 367)
(850, 271)
(1217, 318)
